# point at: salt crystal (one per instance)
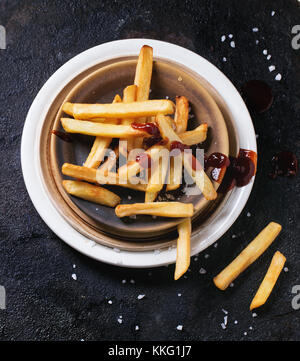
(120, 320)
(206, 255)
(248, 214)
(278, 77)
(231, 284)
(110, 302)
(225, 320)
(179, 295)
(223, 326)
(235, 322)
(196, 259)
(202, 271)
(129, 197)
(256, 42)
(286, 269)
(74, 276)
(74, 265)
(223, 38)
(232, 44)
(137, 328)
(269, 57)
(226, 312)
(273, 13)
(271, 68)
(123, 281)
(233, 236)
(245, 333)
(250, 328)
(254, 314)
(216, 245)
(179, 327)
(224, 59)
(230, 36)
(132, 281)
(265, 51)
(255, 30)
(140, 297)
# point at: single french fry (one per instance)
(91, 193)
(162, 209)
(194, 136)
(250, 254)
(119, 110)
(99, 177)
(198, 175)
(159, 168)
(142, 80)
(150, 196)
(183, 257)
(269, 281)
(100, 129)
(175, 173)
(181, 114)
(129, 96)
(100, 145)
(110, 162)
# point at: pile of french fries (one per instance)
(114, 121)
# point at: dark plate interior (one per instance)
(168, 81)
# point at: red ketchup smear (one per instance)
(258, 95)
(62, 135)
(144, 160)
(178, 145)
(284, 163)
(151, 129)
(233, 171)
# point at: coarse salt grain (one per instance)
(179, 327)
(235, 322)
(265, 51)
(132, 281)
(230, 36)
(254, 314)
(224, 59)
(255, 30)
(136, 328)
(123, 281)
(129, 197)
(226, 312)
(202, 271)
(216, 245)
(232, 44)
(225, 320)
(250, 328)
(223, 38)
(233, 236)
(286, 269)
(110, 302)
(206, 255)
(120, 320)
(256, 42)
(179, 295)
(223, 326)
(74, 276)
(245, 333)
(278, 77)
(273, 13)
(139, 297)
(271, 68)
(269, 57)
(74, 265)
(248, 214)
(231, 284)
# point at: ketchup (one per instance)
(284, 163)
(232, 171)
(149, 128)
(178, 145)
(62, 135)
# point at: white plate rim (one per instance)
(33, 126)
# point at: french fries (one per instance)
(269, 281)
(250, 254)
(183, 248)
(100, 129)
(129, 96)
(142, 80)
(119, 110)
(160, 162)
(181, 114)
(110, 162)
(198, 175)
(100, 145)
(175, 173)
(162, 209)
(91, 193)
(97, 176)
(150, 196)
(195, 136)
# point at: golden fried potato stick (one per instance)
(250, 254)
(100, 129)
(142, 80)
(162, 209)
(159, 168)
(198, 175)
(99, 177)
(150, 196)
(175, 173)
(100, 145)
(110, 161)
(195, 136)
(119, 110)
(129, 96)
(183, 257)
(91, 193)
(269, 280)
(181, 114)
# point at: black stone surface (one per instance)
(43, 301)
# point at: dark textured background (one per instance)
(43, 301)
